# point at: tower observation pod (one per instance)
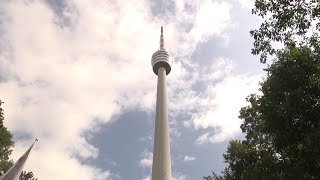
(161, 166)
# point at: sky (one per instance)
(77, 75)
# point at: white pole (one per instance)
(161, 166)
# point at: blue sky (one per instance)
(77, 75)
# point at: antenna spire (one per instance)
(161, 39)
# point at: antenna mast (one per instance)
(161, 39)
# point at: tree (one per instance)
(27, 176)
(285, 21)
(282, 125)
(214, 176)
(6, 145)
(290, 109)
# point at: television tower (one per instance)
(161, 166)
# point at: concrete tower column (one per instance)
(161, 166)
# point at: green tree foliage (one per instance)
(282, 125)
(6, 144)
(214, 176)
(27, 176)
(284, 21)
(290, 108)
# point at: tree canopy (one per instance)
(27, 176)
(284, 21)
(6, 144)
(282, 125)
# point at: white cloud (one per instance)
(211, 14)
(216, 106)
(249, 4)
(146, 161)
(147, 178)
(179, 176)
(60, 80)
(188, 158)
(229, 97)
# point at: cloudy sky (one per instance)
(76, 74)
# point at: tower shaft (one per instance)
(161, 167)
